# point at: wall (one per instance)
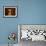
(7, 25)
(29, 12)
(32, 11)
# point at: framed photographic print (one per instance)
(10, 11)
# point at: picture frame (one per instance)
(10, 11)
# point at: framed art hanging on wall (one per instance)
(10, 11)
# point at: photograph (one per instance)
(10, 11)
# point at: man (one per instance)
(9, 12)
